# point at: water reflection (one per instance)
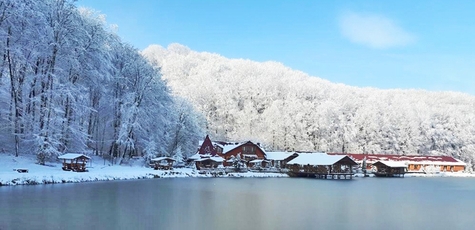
(245, 203)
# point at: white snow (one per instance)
(215, 159)
(97, 171)
(71, 156)
(162, 158)
(316, 159)
(195, 157)
(278, 156)
(228, 146)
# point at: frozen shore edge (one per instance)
(25, 179)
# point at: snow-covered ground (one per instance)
(97, 171)
(100, 171)
(439, 174)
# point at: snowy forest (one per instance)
(285, 109)
(69, 84)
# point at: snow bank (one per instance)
(97, 171)
(441, 174)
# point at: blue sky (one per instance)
(384, 44)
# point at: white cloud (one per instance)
(374, 31)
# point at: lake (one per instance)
(243, 203)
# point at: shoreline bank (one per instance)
(12, 179)
(52, 173)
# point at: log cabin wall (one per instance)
(245, 150)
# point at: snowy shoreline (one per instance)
(53, 174)
(439, 174)
(33, 179)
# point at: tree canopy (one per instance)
(289, 110)
(69, 84)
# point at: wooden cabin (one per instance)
(162, 163)
(414, 163)
(248, 151)
(321, 165)
(207, 147)
(206, 157)
(390, 169)
(259, 164)
(74, 162)
(208, 163)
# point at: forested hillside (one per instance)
(68, 84)
(287, 109)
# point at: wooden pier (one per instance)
(322, 166)
(326, 176)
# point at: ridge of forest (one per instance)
(69, 84)
(285, 109)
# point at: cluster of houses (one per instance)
(248, 155)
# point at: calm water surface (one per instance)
(243, 203)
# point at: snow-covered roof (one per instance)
(195, 157)
(162, 158)
(208, 155)
(278, 156)
(316, 159)
(71, 156)
(258, 161)
(393, 164)
(408, 159)
(229, 147)
(215, 159)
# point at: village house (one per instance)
(207, 157)
(414, 163)
(247, 151)
(321, 165)
(213, 154)
(390, 169)
(163, 163)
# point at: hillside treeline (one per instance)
(290, 110)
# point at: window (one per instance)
(207, 149)
(248, 150)
(219, 149)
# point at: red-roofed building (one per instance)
(247, 151)
(415, 163)
(206, 157)
(207, 147)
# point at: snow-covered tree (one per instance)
(289, 110)
(69, 84)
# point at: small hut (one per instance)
(163, 163)
(259, 164)
(74, 162)
(390, 169)
(208, 163)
